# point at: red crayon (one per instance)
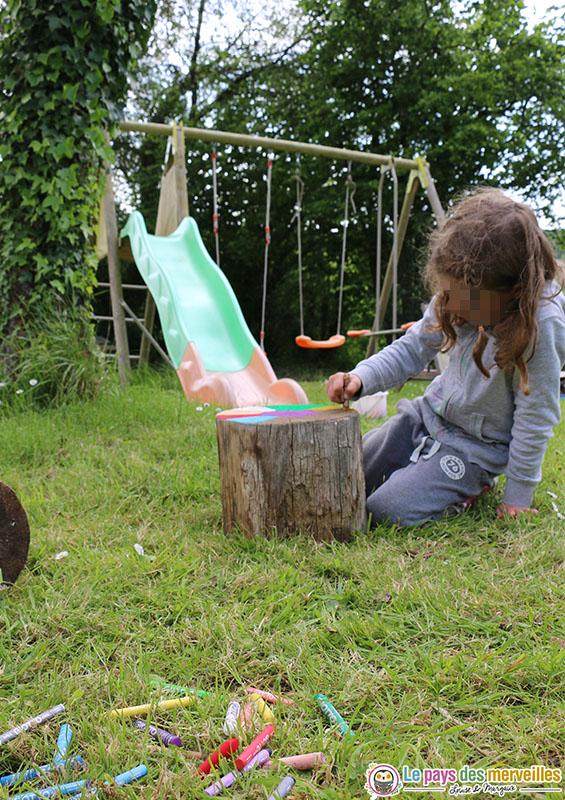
(256, 745)
(224, 750)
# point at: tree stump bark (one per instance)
(292, 470)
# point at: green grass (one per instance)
(442, 647)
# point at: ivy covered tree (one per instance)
(63, 77)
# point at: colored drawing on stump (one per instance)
(255, 414)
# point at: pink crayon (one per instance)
(303, 761)
(246, 717)
(269, 696)
(254, 747)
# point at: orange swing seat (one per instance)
(320, 344)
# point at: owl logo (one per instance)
(383, 780)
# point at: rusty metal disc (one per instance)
(14, 535)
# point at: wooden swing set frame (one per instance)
(173, 207)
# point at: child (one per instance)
(499, 310)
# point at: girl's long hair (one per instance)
(492, 242)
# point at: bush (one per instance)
(50, 362)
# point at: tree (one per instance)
(465, 85)
(63, 76)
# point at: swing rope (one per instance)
(395, 329)
(215, 209)
(337, 339)
(350, 189)
(267, 243)
(394, 245)
(297, 216)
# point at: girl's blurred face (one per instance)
(475, 305)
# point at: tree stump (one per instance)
(292, 469)
(14, 535)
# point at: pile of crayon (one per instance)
(240, 753)
(238, 727)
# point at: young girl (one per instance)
(499, 310)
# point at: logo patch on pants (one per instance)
(453, 467)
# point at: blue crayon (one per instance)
(283, 788)
(63, 742)
(38, 772)
(65, 789)
(131, 775)
(123, 778)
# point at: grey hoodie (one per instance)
(499, 427)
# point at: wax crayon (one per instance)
(231, 724)
(65, 789)
(333, 716)
(63, 742)
(130, 775)
(246, 718)
(157, 733)
(283, 788)
(302, 761)
(266, 713)
(254, 747)
(37, 772)
(31, 723)
(172, 688)
(269, 696)
(141, 711)
(125, 777)
(224, 750)
(229, 779)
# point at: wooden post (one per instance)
(300, 471)
(116, 294)
(433, 196)
(407, 204)
(173, 208)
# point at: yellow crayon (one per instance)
(266, 713)
(141, 711)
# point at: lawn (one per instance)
(441, 647)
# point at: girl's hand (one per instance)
(334, 387)
(505, 509)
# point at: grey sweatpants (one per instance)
(410, 477)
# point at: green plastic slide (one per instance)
(193, 296)
(216, 357)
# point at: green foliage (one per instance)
(467, 85)
(50, 362)
(63, 75)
